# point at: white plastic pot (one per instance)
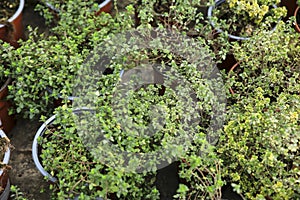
(35, 145)
(5, 194)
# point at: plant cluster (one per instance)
(161, 123)
(261, 146)
(152, 96)
(272, 64)
(261, 134)
(40, 64)
(255, 9)
(49, 63)
(242, 17)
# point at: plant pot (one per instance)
(7, 121)
(291, 6)
(297, 19)
(219, 30)
(36, 149)
(231, 70)
(106, 6)
(167, 180)
(5, 193)
(229, 194)
(4, 179)
(227, 63)
(14, 23)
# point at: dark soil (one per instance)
(24, 174)
(7, 9)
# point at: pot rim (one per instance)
(7, 152)
(5, 193)
(17, 13)
(104, 3)
(295, 14)
(2, 87)
(230, 71)
(35, 144)
(219, 30)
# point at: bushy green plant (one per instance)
(39, 64)
(202, 176)
(260, 146)
(242, 17)
(5, 51)
(186, 16)
(277, 47)
(130, 125)
(256, 10)
(80, 174)
(267, 60)
(261, 134)
(158, 56)
(53, 9)
(79, 22)
(51, 62)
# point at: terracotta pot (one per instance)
(291, 6)
(227, 63)
(297, 26)
(4, 179)
(7, 121)
(231, 69)
(13, 31)
(106, 6)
